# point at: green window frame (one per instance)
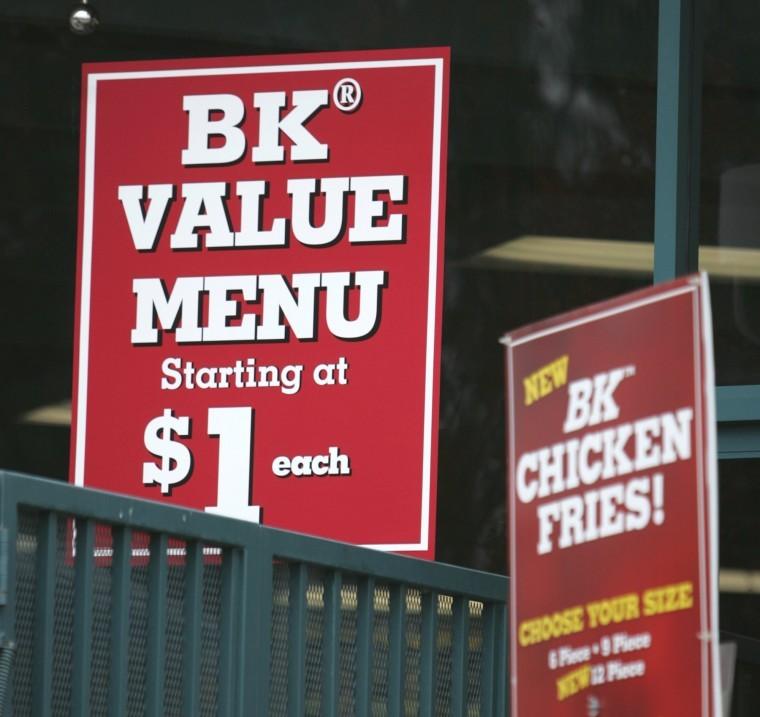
(677, 176)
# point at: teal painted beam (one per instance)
(679, 90)
(738, 403)
(739, 440)
(738, 410)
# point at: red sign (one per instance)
(612, 498)
(260, 289)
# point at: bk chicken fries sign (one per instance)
(260, 289)
(612, 491)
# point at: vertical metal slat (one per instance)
(487, 662)
(297, 640)
(501, 663)
(8, 577)
(331, 643)
(428, 656)
(677, 152)
(459, 655)
(193, 611)
(156, 667)
(396, 682)
(120, 575)
(83, 607)
(42, 670)
(364, 624)
(229, 658)
(256, 635)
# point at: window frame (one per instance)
(677, 178)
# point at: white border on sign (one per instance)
(87, 225)
(704, 403)
(712, 484)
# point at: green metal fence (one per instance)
(115, 606)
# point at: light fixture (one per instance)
(55, 414)
(631, 258)
(746, 582)
(83, 19)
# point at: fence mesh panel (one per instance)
(175, 627)
(381, 650)
(315, 626)
(349, 601)
(101, 622)
(137, 653)
(63, 617)
(443, 655)
(413, 644)
(278, 704)
(211, 630)
(26, 591)
(475, 658)
(212, 620)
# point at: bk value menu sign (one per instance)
(260, 289)
(612, 509)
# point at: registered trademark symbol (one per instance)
(347, 94)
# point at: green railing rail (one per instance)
(116, 606)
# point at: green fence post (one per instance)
(397, 662)
(460, 625)
(120, 575)
(297, 640)
(429, 654)
(8, 542)
(257, 623)
(230, 643)
(488, 676)
(193, 613)
(42, 671)
(156, 668)
(83, 608)
(365, 619)
(503, 684)
(333, 582)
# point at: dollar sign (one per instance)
(158, 440)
